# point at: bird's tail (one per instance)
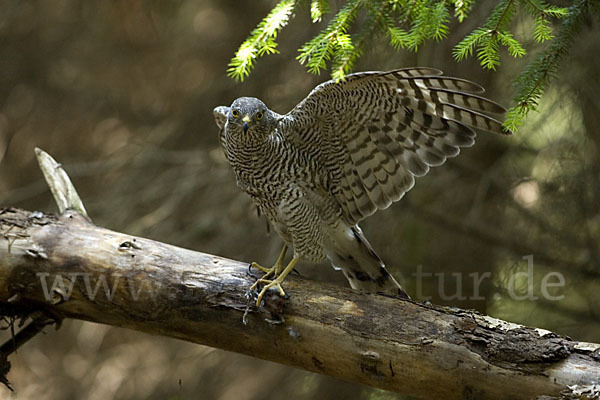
(351, 252)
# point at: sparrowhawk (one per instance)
(348, 149)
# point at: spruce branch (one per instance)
(318, 8)
(261, 40)
(334, 39)
(536, 77)
(461, 9)
(407, 24)
(343, 61)
(486, 41)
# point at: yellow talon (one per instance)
(269, 285)
(275, 282)
(268, 271)
(275, 270)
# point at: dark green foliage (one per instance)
(487, 40)
(407, 24)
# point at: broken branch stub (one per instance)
(60, 184)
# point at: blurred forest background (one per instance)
(122, 93)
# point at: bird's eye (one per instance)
(235, 113)
(259, 115)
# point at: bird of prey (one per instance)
(350, 148)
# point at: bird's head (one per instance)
(250, 117)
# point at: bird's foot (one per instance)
(273, 271)
(280, 274)
(269, 284)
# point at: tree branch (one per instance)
(54, 267)
(68, 267)
(60, 185)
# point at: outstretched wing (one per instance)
(373, 133)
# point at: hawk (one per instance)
(348, 149)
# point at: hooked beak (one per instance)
(246, 119)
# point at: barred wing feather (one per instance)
(373, 133)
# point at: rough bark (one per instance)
(425, 351)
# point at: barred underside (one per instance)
(347, 150)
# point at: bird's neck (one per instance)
(248, 154)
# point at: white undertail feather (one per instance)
(351, 252)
